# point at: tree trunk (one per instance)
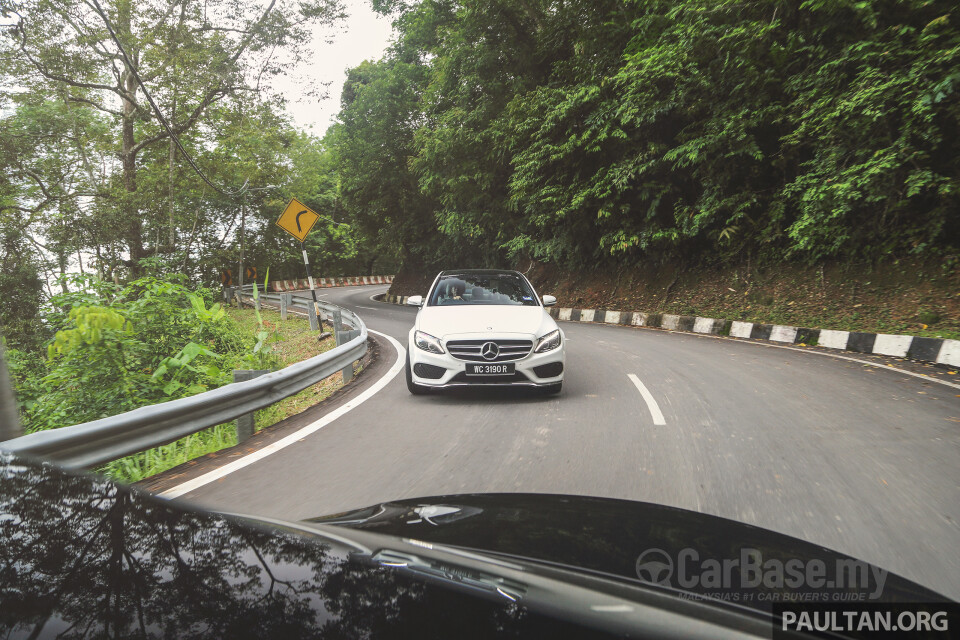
(62, 265)
(172, 239)
(172, 151)
(128, 156)
(9, 416)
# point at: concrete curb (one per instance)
(384, 297)
(937, 350)
(303, 283)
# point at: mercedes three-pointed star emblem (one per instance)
(489, 350)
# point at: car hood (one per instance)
(81, 556)
(443, 322)
(80, 552)
(662, 546)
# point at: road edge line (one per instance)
(838, 356)
(296, 436)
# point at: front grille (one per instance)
(470, 349)
(481, 380)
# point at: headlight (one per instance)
(427, 342)
(548, 342)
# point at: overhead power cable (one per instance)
(156, 109)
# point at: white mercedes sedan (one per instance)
(484, 327)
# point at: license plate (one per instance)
(498, 369)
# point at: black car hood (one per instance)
(672, 549)
(81, 557)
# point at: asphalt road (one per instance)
(862, 460)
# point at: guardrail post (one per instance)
(245, 423)
(286, 299)
(312, 317)
(228, 294)
(337, 326)
(342, 337)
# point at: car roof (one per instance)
(479, 272)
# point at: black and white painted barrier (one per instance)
(938, 350)
(303, 283)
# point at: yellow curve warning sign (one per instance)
(297, 219)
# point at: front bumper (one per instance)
(454, 369)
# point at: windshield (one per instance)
(483, 289)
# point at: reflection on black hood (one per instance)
(82, 557)
(634, 542)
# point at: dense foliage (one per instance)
(118, 348)
(699, 130)
(113, 349)
(493, 131)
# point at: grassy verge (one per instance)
(290, 341)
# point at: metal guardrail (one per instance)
(94, 443)
(334, 313)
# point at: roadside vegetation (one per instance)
(654, 150)
(112, 241)
(289, 341)
(113, 349)
(630, 135)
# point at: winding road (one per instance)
(859, 459)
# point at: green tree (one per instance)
(372, 145)
(192, 55)
(698, 129)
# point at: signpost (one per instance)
(297, 220)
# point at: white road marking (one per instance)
(371, 308)
(648, 397)
(247, 460)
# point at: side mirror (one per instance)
(415, 301)
(549, 301)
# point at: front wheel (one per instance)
(413, 387)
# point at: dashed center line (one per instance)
(648, 398)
